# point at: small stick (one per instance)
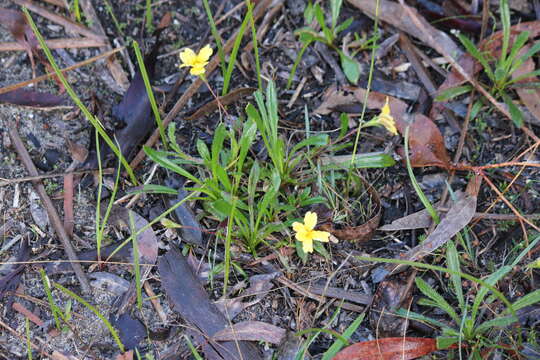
(49, 207)
(56, 44)
(6, 182)
(69, 68)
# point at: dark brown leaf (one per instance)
(397, 16)
(251, 331)
(25, 97)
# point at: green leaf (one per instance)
(490, 280)
(344, 25)
(309, 13)
(499, 322)
(517, 115)
(449, 94)
(428, 291)
(335, 8)
(163, 160)
(473, 50)
(351, 68)
(452, 260)
(344, 124)
(361, 161)
(338, 344)
(444, 342)
(154, 189)
(529, 299)
(316, 140)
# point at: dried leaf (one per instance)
(398, 348)
(397, 16)
(146, 241)
(189, 298)
(191, 228)
(25, 97)
(251, 331)
(69, 221)
(459, 215)
(529, 97)
(426, 143)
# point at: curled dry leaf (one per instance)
(394, 348)
(529, 97)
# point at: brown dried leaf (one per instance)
(189, 298)
(426, 143)
(398, 348)
(396, 15)
(251, 331)
(146, 241)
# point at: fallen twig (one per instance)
(49, 207)
(9, 88)
(56, 44)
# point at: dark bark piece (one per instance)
(191, 301)
(11, 280)
(191, 228)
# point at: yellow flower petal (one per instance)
(386, 108)
(307, 246)
(187, 57)
(197, 70)
(298, 226)
(303, 236)
(320, 235)
(388, 122)
(204, 54)
(310, 220)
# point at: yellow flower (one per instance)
(305, 233)
(387, 120)
(197, 62)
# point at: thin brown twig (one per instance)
(9, 88)
(49, 207)
(56, 44)
(6, 182)
(508, 203)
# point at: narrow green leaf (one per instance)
(449, 94)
